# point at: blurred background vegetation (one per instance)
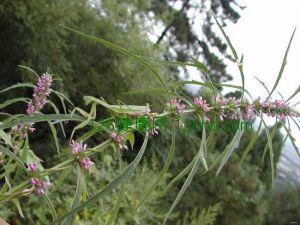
(31, 35)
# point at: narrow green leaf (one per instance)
(125, 52)
(116, 108)
(189, 179)
(62, 96)
(207, 85)
(292, 140)
(182, 173)
(163, 171)
(203, 149)
(235, 55)
(5, 137)
(270, 151)
(294, 94)
(40, 118)
(121, 197)
(230, 149)
(15, 201)
(12, 101)
(29, 69)
(263, 84)
(51, 206)
(56, 110)
(113, 184)
(18, 85)
(90, 116)
(130, 137)
(76, 201)
(62, 177)
(251, 143)
(206, 75)
(12, 155)
(282, 65)
(172, 63)
(267, 145)
(54, 133)
(295, 122)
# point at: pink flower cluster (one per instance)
(152, 131)
(219, 106)
(247, 110)
(39, 185)
(86, 163)
(273, 108)
(175, 105)
(20, 130)
(232, 108)
(32, 167)
(202, 108)
(40, 93)
(119, 140)
(77, 148)
(1, 160)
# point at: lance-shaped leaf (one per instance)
(76, 201)
(235, 55)
(18, 85)
(189, 179)
(270, 151)
(184, 172)
(251, 143)
(230, 148)
(127, 109)
(40, 118)
(163, 171)
(284, 61)
(293, 140)
(113, 184)
(125, 52)
(12, 101)
(51, 206)
(121, 197)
